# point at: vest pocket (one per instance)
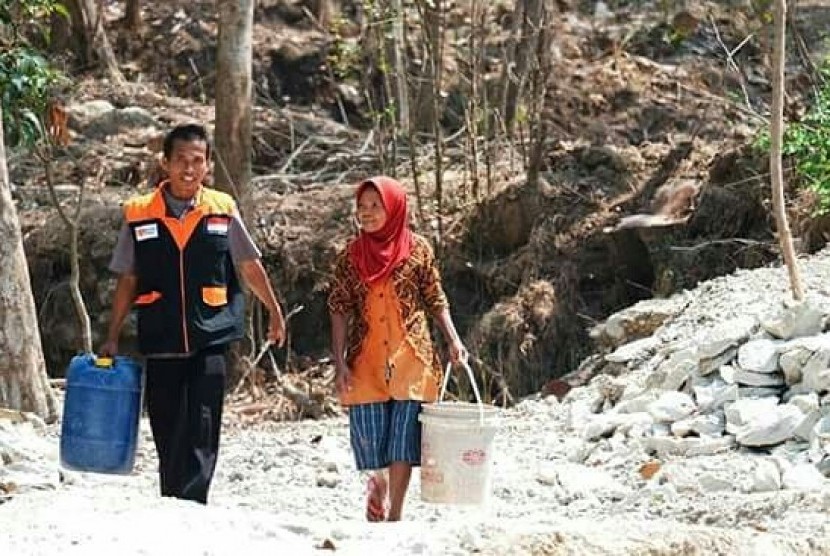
(215, 296)
(148, 298)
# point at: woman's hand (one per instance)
(458, 353)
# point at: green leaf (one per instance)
(61, 10)
(35, 122)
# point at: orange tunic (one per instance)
(390, 352)
(387, 366)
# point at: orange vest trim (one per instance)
(148, 298)
(152, 207)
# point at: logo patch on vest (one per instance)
(217, 226)
(146, 231)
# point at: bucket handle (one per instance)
(472, 378)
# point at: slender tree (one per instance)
(132, 15)
(90, 37)
(24, 384)
(56, 135)
(234, 124)
(785, 238)
(234, 97)
(529, 15)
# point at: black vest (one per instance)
(188, 293)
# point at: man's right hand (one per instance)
(342, 378)
(108, 348)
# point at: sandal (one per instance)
(376, 499)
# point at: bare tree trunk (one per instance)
(432, 17)
(403, 84)
(528, 16)
(132, 15)
(24, 384)
(785, 239)
(67, 33)
(73, 226)
(234, 97)
(537, 124)
(400, 64)
(425, 102)
(325, 11)
(379, 88)
(234, 123)
(88, 28)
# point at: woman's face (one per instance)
(370, 212)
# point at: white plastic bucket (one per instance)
(457, 448)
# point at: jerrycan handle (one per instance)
(103, 362)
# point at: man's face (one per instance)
(186, 167)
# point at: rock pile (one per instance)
(731, 366)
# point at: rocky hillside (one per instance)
(649, 184)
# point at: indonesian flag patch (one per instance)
(217, 225)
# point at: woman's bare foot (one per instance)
(376, 490)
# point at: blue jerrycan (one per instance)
(100, 414)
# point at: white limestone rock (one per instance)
(636, 350)
(804, 476)
(760, 380)
(770, 428)
(671, 407)
(759, 356)
(599, 426)
(815, 374)
(677, 368)
(328, 479)
(743, 411)
(637, 404)
(766, 477)
(707, 366)
(806, 429)
(820, 437)
(634, 425)
(727, 373)
(82, 114)
(714, 395)
(638, 321)
(708, 474)
(791, 362)
(665, 446)
(713, 424)
(758, 392)
(814, 369)
(805, 402)
(799, 319)
(725, 335)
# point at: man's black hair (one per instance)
(186, 133)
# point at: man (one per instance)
(177, 256)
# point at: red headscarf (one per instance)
(374, 255)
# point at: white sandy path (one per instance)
(266, 501)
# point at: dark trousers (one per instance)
(184, 401)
